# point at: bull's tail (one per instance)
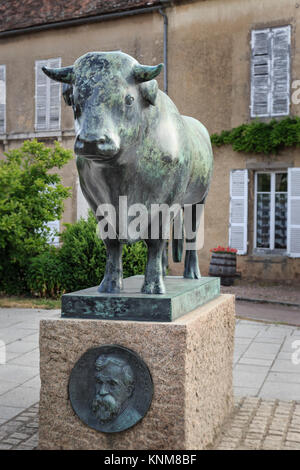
(177, 242)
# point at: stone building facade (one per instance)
(228, 62)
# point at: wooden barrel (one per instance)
(223, 265)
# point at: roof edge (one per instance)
(84, 20)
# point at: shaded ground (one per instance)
(265, 291)
(28, 302)
(268, 312)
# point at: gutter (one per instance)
(82, 21)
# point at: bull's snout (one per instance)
(104, 145)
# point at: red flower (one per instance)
(222, 249)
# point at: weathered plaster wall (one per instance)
(209, 79)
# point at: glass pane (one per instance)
(281, 182)
(263, 221)
(263, 182)
(280, 220)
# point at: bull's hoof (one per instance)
(109, 286)
(192, 275)
(154, 287)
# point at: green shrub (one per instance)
(80, 262)
(261, 137)
(82, 255)
(44, 276)
(29, 198)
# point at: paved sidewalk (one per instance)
(263, 372)
(267, 360)
(19, 348)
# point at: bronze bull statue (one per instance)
(132, 141)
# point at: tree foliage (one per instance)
(31, 194)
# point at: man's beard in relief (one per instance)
(105, 407)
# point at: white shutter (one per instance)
(47, 97)
(54, 99)
(293, 228)
(41, 96)
(54, 226)
(82, 204)
(2, 99)
(260, 72)
(280, 95)
(238, 214)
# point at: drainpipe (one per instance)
(162, 13)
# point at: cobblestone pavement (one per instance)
(255, 424)
(258, 424)
(21, 432)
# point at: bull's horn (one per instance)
(144, 73)
(63, 74)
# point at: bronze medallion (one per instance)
(110, 388)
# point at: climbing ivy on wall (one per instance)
(261, 137)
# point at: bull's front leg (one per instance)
(154, 283)
(112, 282)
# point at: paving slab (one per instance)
(20, 397)
(286, 390)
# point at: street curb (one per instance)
(265, 301)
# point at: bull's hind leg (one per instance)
(113, 278)
(164, 260)
(191, 265)
(154, 283)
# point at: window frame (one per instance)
(271, 250)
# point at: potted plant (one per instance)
(223, 264)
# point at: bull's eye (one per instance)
(129, 100)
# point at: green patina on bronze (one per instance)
(132, 141)
(183, 296)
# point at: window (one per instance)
(53, 238)
(82, 204)
(47, 97)
(276, 212)
(270, 72)
(2, 99)
(271, 198)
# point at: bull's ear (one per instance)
(67, 92)
(63, 74)
(149, 91)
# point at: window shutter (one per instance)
(41, 95)
(2, 99)
(54, 226)
(54, 100)
(260, 73)
(47, 97)
(281, 38)
(82, 204)
(238, 216)
(293, 232)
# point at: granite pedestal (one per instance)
(190, 360)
